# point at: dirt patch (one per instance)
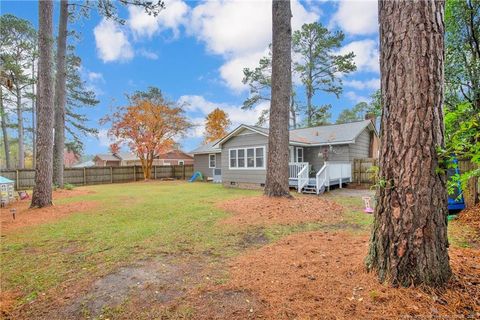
(321, 275)
(253, 238)
(125, 292)
(263, 210)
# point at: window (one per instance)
(212, 161)
(299, 154)
(233, 158)
(181, 162)
(259, 157)
(241, 158)
(251, 158)
(247, 158)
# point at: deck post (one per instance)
(134, 173)
(111, 174)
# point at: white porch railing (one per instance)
(339, 171)
(321, 178)
(294, 169)
(302, 178)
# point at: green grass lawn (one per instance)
(132, 221)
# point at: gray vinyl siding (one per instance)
(314, 155)
(361, 147)
(243, 175)
(201, 164)
(344, 152)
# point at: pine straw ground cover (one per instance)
(321, 274)
(262, 210)
(24, 216)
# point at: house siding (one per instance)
(344, 152)
(201, 164)
(361, 148)
(243, 176)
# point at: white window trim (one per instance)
(209, 166)
(245, 157)
(182, 162)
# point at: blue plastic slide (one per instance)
(196, 175)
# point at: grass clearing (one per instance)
(134, 221)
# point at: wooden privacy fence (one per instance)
(363, 171)
(25, 178)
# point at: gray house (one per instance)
(319, 156)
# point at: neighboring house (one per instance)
(70, 158)
(86, 164)
(319, 156)
(106, 160)
(173, 157)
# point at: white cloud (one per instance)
(366, 54)
(147, 54)
(240, 32)
(95, 77)
(103, 138)
(356, 98)
(356, 17)
(199, 105)
(373, 84)
(112, 43)
(143, 24)
(232, 70)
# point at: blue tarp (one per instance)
(5, 180)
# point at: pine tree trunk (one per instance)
(277, 164)
(60, 97)
(42, 192)
(34, 141)
(293, 112)
(21, 140)
(6, 143)
(409, 238)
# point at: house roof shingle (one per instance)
(329, 134)
(206, 148)
(322, 135)
(107, 157)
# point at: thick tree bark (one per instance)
(34, 109)
(20, 131)
(6, 143)
(277, 165)
(60, 96)
(42, 192)
(409, 237)
(293, 112)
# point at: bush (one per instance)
(68, 186)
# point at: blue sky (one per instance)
(195, 52)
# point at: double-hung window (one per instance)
(212, 161)
(247, 158)
(299, 154)
(260, 157)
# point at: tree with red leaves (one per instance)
(148, 126)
